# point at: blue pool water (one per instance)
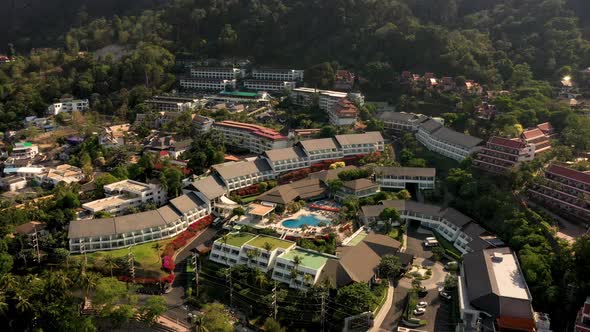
(309, 220)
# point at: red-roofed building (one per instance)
(255, 138)
(344, 80)
(547, 129)
(344, 113)
(538, 138)
(501, 154)
(583, 319)
(564, 189)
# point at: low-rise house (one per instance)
(114, 136)
(13, 182)
(440, 139)
(24, 150)
(68, 105)
(499, 155)
(255, 138)
(564, 189)
(61, 173)
(30, 228)
(168, 146)
(493, 291)
(401, 177)
(127, 194)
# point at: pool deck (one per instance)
(306, 212)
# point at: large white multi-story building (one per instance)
(216, 84)
(225, 73)
(68, 105)
(457, 228)
(124, 195)
(255, 138)
(278, 74)
(268, 85)
(302, 274)
(400, 177)
(287, 159)
(401, 121)
(340, 106)
(355, 144)
(124, 231)
(445, 141)
(321, 149)
(172, 103)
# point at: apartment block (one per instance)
(343, 113)
(401, 121)
(172, 103)
(401, 177)
(300, 275)
(447, 142)
(255, 138)
(538, 139)
(224, 73)
(241, 174)
(321, 149)
(287, 159)
(68, 105)
(358, 144)
(501, 154)
(212, 84)
(124, 195)
(565, 190)
(278, 74)
(268, 85)
(24, 150)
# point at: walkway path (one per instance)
(383, 311)
(566, 229)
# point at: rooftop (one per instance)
(294, 152)
(406, 171)
(211, 187)
(236, 169)
(254, 129)
(319, 144)
(509, 143)
(239, 94)
(128, 185)
(569, 173)
(366, 138)
(103, 203)
(259, 209)
(237, 239)
(313, 260)
(509, 280)
(260, 240)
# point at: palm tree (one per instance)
(22, 301)
(261, 279)
(296, 262)
(198, 324)
(308, 279)
(250, 254)
(268, 247)
(224, 239)
(157, 247)
(110, 263)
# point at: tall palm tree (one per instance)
(250, 254)
(268, 247)
(157, 247)
(110, 263)
(308, 279)
(261, 279)
(224, 239)
(296, 262)
(198, 324)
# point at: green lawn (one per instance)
(147, 261)
(275, 242)
(357, 239)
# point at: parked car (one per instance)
(419, 311)
(430, 242)
(451, 265)
(421, 304)
(445, 295)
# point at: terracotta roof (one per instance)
(532, 133)
(545, 127)
(516, 323)
(253, 129)
(569, 173)
(509, 143)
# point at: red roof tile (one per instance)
(569, 173)
(516, 323)
(514, 144)
(545, 127)
(254, 129)
(532, 133)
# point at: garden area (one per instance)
(408, 317)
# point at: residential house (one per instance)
(13, 182)
(68, 105)
(168, 146)
(114, 136)
(31, 228)
(24, 150)
(61, 173)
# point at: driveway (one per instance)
(415, 239)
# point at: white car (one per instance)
(445, 295)
(419, 311)
(421, 304)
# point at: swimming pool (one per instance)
(308, 219)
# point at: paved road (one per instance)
(175, 298)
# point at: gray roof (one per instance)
(456, 217)
(368, 137)
(318, 144)
(211, 187)
(457, 138)
(294, 152)
(430, 126)
(168, 214)
(405, 171)
(396, 116)
(304, 189)
(232, 170)
(138, 221)
(90, 228)
(330, 174)
(187, 202)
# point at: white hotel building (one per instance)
(268, 85)
(126, 194)
(171, 103)
(400, 177)
(278, 74)
(241, 174)
(445, 141)
(217, 84)
(68, 105)
(224, 73)
(287, 159)
(255, 138)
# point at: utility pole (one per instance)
(131, 262)
(274, 302)
(323, 311)
(195, 261)
(231, 288)
(35, 241)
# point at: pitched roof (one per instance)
(283, 194)
(187, 202)
(359, 184)
(234, 169)
(532, 133)
(90, 228)
(365, 138)
(168, 214)
(405, 171)
(30, 227)
(319, 144)
(211, 187)
(396, 116)
(430, 125)
(457, 138)
(569, 173)
(330, 174)
(294, 152)
(509, 143)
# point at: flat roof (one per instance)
(506, 274)
(260, 240)
(406, 171)
(259, 209)
(129, 185)
(239, 94)
(309, 259)
(105, 202)
(237, 239)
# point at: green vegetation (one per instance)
(236, 239)
(261, 241)
(308, 259)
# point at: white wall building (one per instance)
(24, 150)
(365, 143)
(124, 195)
(28, 172)
(321, 149)
(447, 142)
(13, 182)
(215, 84)
(401, 121)
(287, 159)
(278, 74)
(114, 136)
(62, 173)
(225, 73)
(267, 85)
(400, 177)
(172, 103)
(255, 138)
(68, 105)
(241, 174)
(302, 275)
